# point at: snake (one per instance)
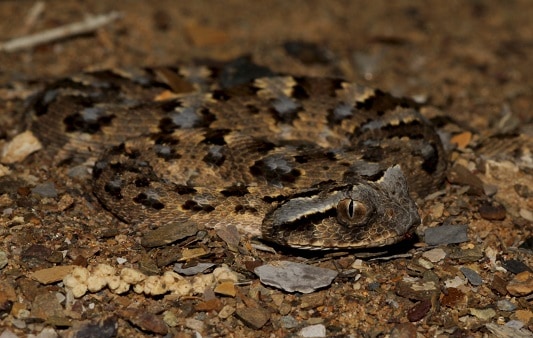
(302, 162)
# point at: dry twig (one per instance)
(89, 24)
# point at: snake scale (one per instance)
(313, 163)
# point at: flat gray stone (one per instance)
(473, 277)
(446, 234)
(291, 276)
(47, 189)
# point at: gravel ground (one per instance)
(69, 268)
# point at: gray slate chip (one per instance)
(473, 277)
(47, 189)
(291, 276)
(446, 234)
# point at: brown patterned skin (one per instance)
(303, 162)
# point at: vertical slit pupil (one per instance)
(351, 210)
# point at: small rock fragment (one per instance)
(3, 259)
(209, 305)
(226, 288)
(145, 320)
(317, 330)
(46, 305)
(192, 270)
(446, 234)
(419, 311)
(288, 322)
(524, 315)
(230, 235)
(521, 284)
(454, 297)
(253, 317)
(515, 266)
(47, 189)
(473, 277)
(403, 330)
(169, 233)
(507, 331)
(194, 324)
(52, 275)
(462, 140)
(460, 175)
(291, 276)
(435, 255)
(226, 311)
(492, 212)
(526, 214)
(20, 147)
(483, 314)
(417, 289)
(105, 328)
(505, 305)
(188, 254)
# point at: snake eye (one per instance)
(351, 212)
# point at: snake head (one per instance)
(347, 215)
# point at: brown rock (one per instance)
(499, 285)
(403, 330)
(145, 320)
(492, 212)
(52, 275)
(419, 311)
(254, 318)
(460, 175)
(209, 305)
(168, 233)
(453, 297)
(226, 288)
(5, 303)
(46, 305)
(462, 140)
(521, 284)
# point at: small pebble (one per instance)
(446, 234)
(19, 147)
(521, 284)
(291, 276)
(434, 255)
(3, 259)
(505, 305)
(288, 322)
(168, 233)
(46, 189)
(192, 270)
(226, 311)
(526, 214)
(483, 314)
(253, 317)
(473, 277)
(492, 212)
(419, 311)
(515, 266)
(226, 288)
(318, 330)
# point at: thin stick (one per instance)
(89, 24)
